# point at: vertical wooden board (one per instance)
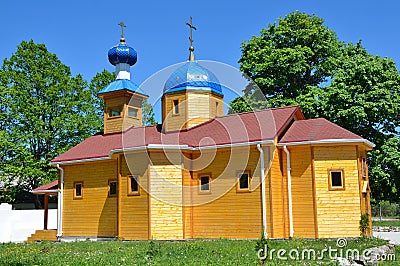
(278, 203)
(166, 202)
(96, 213)
(224, 212)
(134, 208)
(338, 210)
(302, 192)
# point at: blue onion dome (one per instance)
(192, 76)
(122, 53)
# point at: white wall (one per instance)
(18, 225)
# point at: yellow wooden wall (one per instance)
(166, 221)
(122, 100)
(94, 215)
(173, 121)
(303, 211)
(278, 212)
(134, 209)
(224, 212)
(338, 211)
(198, 107)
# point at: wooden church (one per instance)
(203, 174)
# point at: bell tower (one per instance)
(192, 94)
(122, 98)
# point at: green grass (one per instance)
(386, 223)
(194, 252)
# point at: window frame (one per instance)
(238, 174)
(134, 108)
(74, 190)
(110, 109)
(175, 107)
(109, 188)
(334, 188)
(208, 191)
(130, 192)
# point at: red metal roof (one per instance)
(49, 186)
(315, 130)
(230, 129)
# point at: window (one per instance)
(216, 108)
(176, 107)
(114, 112)
(364, 167)
(243, 181)
(112, 188)
(336, 179)
(133, 185)
(132, 112)
(78, 190)
(204, 183)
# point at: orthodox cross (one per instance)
(191, 27)
(122, 28)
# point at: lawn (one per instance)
(386, 223)
(193, 252)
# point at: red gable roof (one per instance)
(230, 129)
(255, 126)
(317, 130)
(49, 186)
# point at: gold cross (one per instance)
(122, 28)
(191, 27)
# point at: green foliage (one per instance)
(262, 244)
(385, 170)
(299, 61)
(193, 252)
(44, 110)
(98, 82)
(364, 225)
(148, 116)
(290, 57)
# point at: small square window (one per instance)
(133, 185)
(176, 107)
(78, 190)
(112, 188)
(132, 112)
(205, 183)
(243, 181)
(114, 112)
(336, 179)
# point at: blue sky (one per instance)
(81, 32)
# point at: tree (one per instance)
(46, 111)
(298, 61)
(290, 57)
(148, 117)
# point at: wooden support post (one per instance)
(46, 210)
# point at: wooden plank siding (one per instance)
(225, 212)
(302, 191)
(134, 223)
(171, 120)
(95, 215)
(338, 210)
(122, 100)
(166, 196)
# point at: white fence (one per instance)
(18, 225)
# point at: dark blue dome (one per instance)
(192, 76)
(122, 53)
